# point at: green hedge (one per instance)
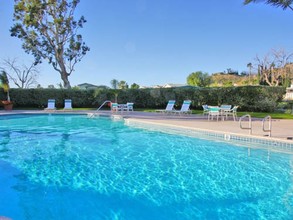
(249, 98)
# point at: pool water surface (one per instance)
(73, 167)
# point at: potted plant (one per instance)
(8, 104)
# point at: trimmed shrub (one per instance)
(249, 98)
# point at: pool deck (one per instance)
(281, 129)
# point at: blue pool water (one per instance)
(72, 167)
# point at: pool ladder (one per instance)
(268, 119)
(91, 115)
(249, 127)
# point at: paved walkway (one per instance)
(281, 129)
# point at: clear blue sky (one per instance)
(154, 42)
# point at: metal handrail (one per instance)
(92, 115)
(103, 104)
(269, 119)
(249, 123)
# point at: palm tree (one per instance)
(278, 3)
(5, 83)
(249, 65)
(114, 83)
(122, 85)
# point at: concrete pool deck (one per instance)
(281, 129)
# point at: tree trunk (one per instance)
(64, 76)
(66, 83)
(62, 71)
(8, 96)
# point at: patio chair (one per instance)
(224, 110)
(184, 108)
(51, 105)
(67, 104)
(233, 112)
(115, 107)
(205, 109)
(214, 112)
(169, 107)
(127, 107)
(226, 107)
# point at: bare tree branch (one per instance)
(22, 76)
(273, 67)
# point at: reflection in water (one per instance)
(288, 197)
(5, 139)
(268, 152)
(4, 218)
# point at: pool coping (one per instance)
(250, 141)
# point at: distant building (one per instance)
(156, 86)
(169, 85)
(173, 85)
(150, 87)
(86, 86)
(289, 94)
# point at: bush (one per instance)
(249, 98)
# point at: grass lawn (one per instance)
(75, 109)
(274, 115)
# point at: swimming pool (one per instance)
(69, 166)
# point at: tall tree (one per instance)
(278, 3)
(199, 79)
(275, 67)
(122, 85)
(134, 86)
(114, 83)
(49, 32)
(249, 65)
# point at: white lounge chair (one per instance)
(67, 104)
(129, 106)
(169, 107)
(184, 108)
(51, 105)
(205, 109)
